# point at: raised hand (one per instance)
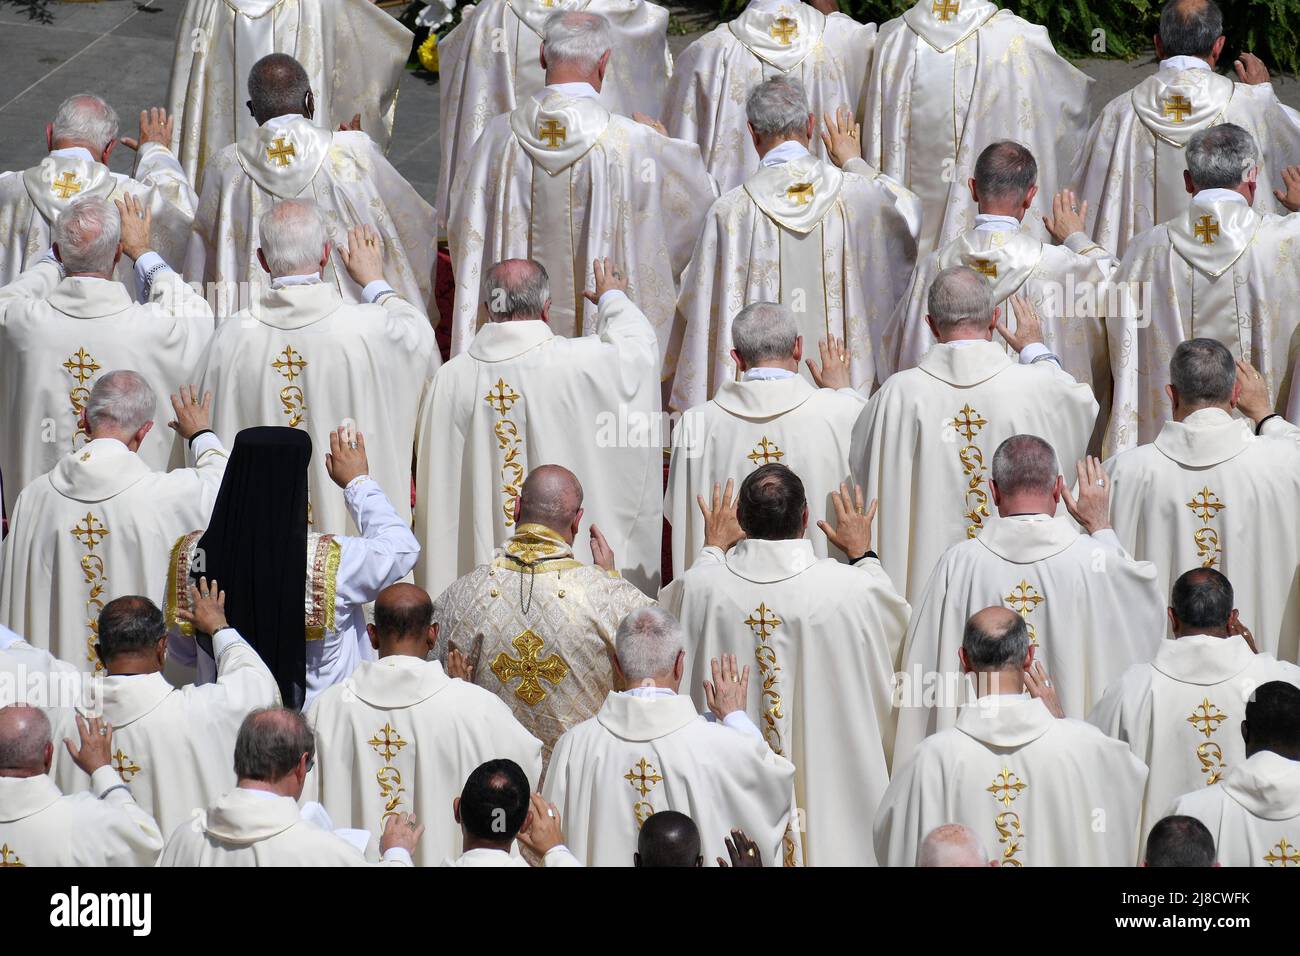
(728, 692)
(1029, 327)
(742, 850)
(1040, 686)
(1289, 196)
(96, 748)
(347, 456)
(608, 278)
(363, 256)
(852, 531)
(192, 415)
(1092, 509)
(401, 830)
(834, 369)
(721, 528)
(542, 830)
(650, 121)
(155, 127)
(207, 610)
(1068, 216)
(1250, 69)
(601, 553)
(842, 136)
(137, 221)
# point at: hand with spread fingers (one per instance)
(207, 610)
(542, 830)
(842, 136)
(192, 415)
(96, 748)
(742, 850)
(728, 692)
(834, 369)
(401, 830)
(1289, 194)
(1068, 216)
(155, 127)
(852, 531)
(1040, 686)
(1029, 327)
(347, 456)
(363, 256)
(1253, 400)
(137, 221)
(721, 527)
(1092, 509)
(608, 278)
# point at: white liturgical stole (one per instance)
(1211, 237)
(59, 181)
(1004, 257)
(283, 158)
(781, 34)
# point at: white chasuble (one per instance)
(1131, 168)
(541, 626)
(925, 442)
(97, 527)
(564, 181)
(950, 77)
(1181, 713)
(35, 677)
(351, 182)
(829, 54)
(1210, 493)
(301, 356)
(1218, 270)
(1037, 791)
(821, 638)
(1091, 611)
(354, 53)
(400, 736)
(835, 247)
(640, 755)
(752, 423)
(523, 396)
(491, 63)
(1253, 813)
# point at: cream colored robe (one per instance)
(1221, 271)
(58, 335)
(354, 53)
(673, 759)
(31, 199)
(1037, 791)
(399, 736)
(564, 180)
(40, 826)
(924, 446)
(482, 856)
(1132, 164)
(490, 64)
(1253, 813)
(752, 423)
(524, 396)
(547, 624)
(823, 638)
(345, 174)
(942, 89)
(1181, 713)
(1092, 612)
(302, 356)
(98, 527)
(1210, 493)
(829, 55)
(835, 247)
(29, 675)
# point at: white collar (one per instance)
(74, 152)
(577, 91)
(282, 281)
(963, 343)
(1219, 195)
(785, 152)
(650, 691)
(990, 222)
(259, 794)
(767, 374)
(989, 699)
(8, 638)
(1184, 63)
(275, 122)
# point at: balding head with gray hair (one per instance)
(778, 109)
(84, 120)
(960, 300)
(1221, 157)
(1202, 373)
(764, 331)
(292, 238)
(516, 290)
(1005, 172)
(1025, 464)
(278, 86)
(648, 643)
(86, 237)
(576, 43)
(551, 497)
(995, 639)
(25, 747)
(1189, 28)
(120, 404)
(952, 845)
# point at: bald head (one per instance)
(403, 622)
(551, 497)
(517, 290)
(25, 748)
(278, 86)
(668, 838)
(951, 845)
(995, 639)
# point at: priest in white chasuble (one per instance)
(99, 524)
(491, 63)
(829, 54)
(1253, 812)
(289, 154)
(536, 623)
(497, 807)
(36, 678)
(834, 246)
(42, 826)
(80, 139)
(1038, 788)
(1131, 168)
(951, 76)
(354, 52)
(824, 636)
(1091, 610)
(770, 414)
(1211, 491)
(925, 441)
(720, 772)
(400, 735)
(1181, 712)
(301, 355)
(1217, 270)
(563, 179)
(66, 320)
(523, 395)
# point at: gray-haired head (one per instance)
(271, 742)
(995, 639)
(960, 298)
(120, 404)
(778, 108)
(1221, 157)
(1203, 373)
(1005, 172)
(763, 331)
(575, 40)
(84, 120)
(951, 845)
(292, 237)
(1025, 464)
(87, 234)
(278, 86)
(647, 643)
(24, 740)
(1190, 27)
(516, 290)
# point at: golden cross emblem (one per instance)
(9, 857)
(67, 185)
(1024, 598)
(1006, 787)
(289, 363)
(985, 267)
(768, 451)
(530, 671)
(801, 193)
(943, 10)
(1177, 107)
(1207, 716)
(784, 30)
(81, 365)
(92, 533)
(968, 423)
(387, 742)
(761, 624)
(501, 397)
(553, 133)
(280, 152)
(643, 777)
(1207, 230)
(125, 767)
(1279, 855)
(1205, 504)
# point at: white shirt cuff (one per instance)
(740, 721)
(224, 639)
(608, 296)
(105, 779)
(374, 290)
(1108, 537)
(206, 442)
(1079, 242)
(398, 854)
(355, 482)
(1032, 351)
